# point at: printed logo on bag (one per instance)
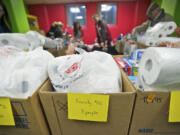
(4, 52)
(74, 67)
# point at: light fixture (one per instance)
(75, 10)
(83, 6)
(79, 17)
(105, 8)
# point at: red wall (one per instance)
(129, 14)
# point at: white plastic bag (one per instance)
(28, 41)
(21, 73)
(94, 72)
(15, 39)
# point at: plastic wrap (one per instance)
(169, 39)
(15, 39)
(159, 69)
(161, 29)
(154, 34)
(29, 41)
(129, 49)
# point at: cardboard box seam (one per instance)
(57, 116)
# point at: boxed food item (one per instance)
(124, 65)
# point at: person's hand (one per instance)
(168, 44)
(165, 44)
(102, 45)
(177, 30)
(89, 49)
(133, 32)
(106, 44)
(71, 49)
(112, 44)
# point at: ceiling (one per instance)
(66, 1)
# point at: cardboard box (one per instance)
(119, 116)
(141, 46)
(151, 113)
(29, 117)
(59, 52)
(119, 46)
(120, 56)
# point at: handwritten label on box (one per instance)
(88, 107)
(6, 115)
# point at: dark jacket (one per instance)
(3, 26)
(79, 34)
(103, 32)
(54, 32)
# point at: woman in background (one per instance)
(5, 26)
(78, 32)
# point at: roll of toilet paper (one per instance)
(169, 27)
(159, 68)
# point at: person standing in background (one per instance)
(78, 32)
(5, 26)
(155, 15)
(103, 35)
(102, 31)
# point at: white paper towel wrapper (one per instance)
(94, 72)
(169, 39)
(161, 29)
(154, 34)
(159, 69)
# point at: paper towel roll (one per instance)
(160, 68)
(161, 29)
(154, 34)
